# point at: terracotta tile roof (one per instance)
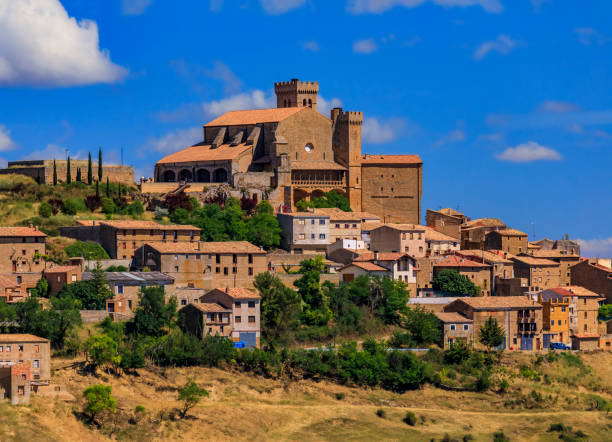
(500, 302)
(448, 211)
(390, 159)
(581, 292)
(204, 152)
(254, 116)
(205, 247)
(483, 222)
(488, 256)
(555, 253)
(85, 222)
(530, 261)
(366, 265)
(20, 231)
(340, 215)
(239, 293)
(533, 245)
(305, 215)
(371, 225)
(20, 337)
(147, 225)
(61, 269)
(210, 307)
(316, 165)
(586, 336)
(6, 283)
(402, 227)
(434, 235)
(457, 261)
(452, 317)
(382, 256)
(511, 232)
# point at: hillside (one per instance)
(247, 407)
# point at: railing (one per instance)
(317, 182)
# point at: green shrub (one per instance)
(483, 382)
(135, 209)
(558, 427)
(381, 413)
(108, 206)
(503, 386)
(139, 409)
(457, 353)
(467, 438)
(44, 210)
(86, 249)
(410, 419)
(69, 207)
(340, 396)
(499, 436)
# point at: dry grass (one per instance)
(244, 407)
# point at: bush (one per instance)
(558, 427)
(69, 207)
(139, 409)
(108, 206)
(483, 382)
(135, 209)
(381, 413)
(340, 396)
(499, 436)
(410, 419)
(457, 353)
(45, 210)
(86, 249)
(93, 202)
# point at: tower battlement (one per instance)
(296, 93)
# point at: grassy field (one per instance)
(245, 407)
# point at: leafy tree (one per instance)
(79, 178)
(316, 311)
(44, 210)
(328, 200)
(68, 171)
(451, 281)
(100, 168)
(262, 228)
(458, 352)
(153, 317)
(100, 282)
(280, 306)
(89, 170)
(69, 207)
(190, 396)
(99, 399)
(42, 288)
(393, 302)
(209, 219)
(424, 326)
(233, 220)
(86, 293)
(102, 350)
(491, 334)
(54, 173)
(108, 206)
(86, 249)
(605, 311)
(135, 209)
(180, 216)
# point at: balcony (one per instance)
(317, 183)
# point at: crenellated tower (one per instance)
(296, 93)
(346, 142)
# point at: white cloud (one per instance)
(589, 36)
(255, 99)
(366, 46)
(376, 130)
(380, 6)
(276, 7)
(502, 44)
(453, 136)
(222, 72)
(529, 152)
(135, 7)
(6, 143)
(40, 45)
(557, 107)
(596, 248)
(175, 140)
(52, 152)
(325, 106)
(311, 46)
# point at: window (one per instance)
(321, 235)
(197, 256)
(163, 234)
(559, 322)
(217, 259)
(23, 252)
(312, 221)
(346, 226)
(237, 304)
(562, 309)
(237, 319)
(250, 259)
(235, 258)
(183, 302)
(1, 348)
(234, 269)
(36, 363)
(23, 376)
(225, 271)
(20, 347)
(552, 309)
(175, 235)
(312, 236)
(217, 269)
(19, 280)
(175, 256)
(250, 271)
(322, 221)
(552, 322)
(301, 221)
(452, 327)
(176, 268)
(120, 289)
(466, 327)
(186, 255)
(251, 319)
(251, 304)
(301, 236)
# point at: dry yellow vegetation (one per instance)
(246, 407)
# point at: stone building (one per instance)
(474, 232)
(58, 276)
(555, 316)
(346, 225)
(566, 244)
(541, 274)
(204, 264)
(43, 170)
(19, 348)
(456, 328)
(11, 292)
(304, 232)
(519, 317)
(508, 240)
(446, 221)
(392, 237)
(593, 276)
(565, 259)
(21, 252)
(401, 266)
(502, 268)
(440, 244)
(360, 268)
(477, 272)
(299, 154)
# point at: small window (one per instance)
(237, 304)
(217, 269)
(217, 259)
(322, 221)
(237, 319)
(250, 271)
(466, 327)
(225, 271)
(176, 268)
(8, 348)
(183, 302)
(36, 363)
(251, 319)
(120, 289)
(321, 235)
(452, 327)
(250, 259)
(234, 269)
(19, 347)
(251, 304)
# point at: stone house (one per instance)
(22, 249)
(346, 225)
(58, 276)
(401, 266)
(455, 327)
(541, 274)
(519, 317)
(359, 268)
(502, 268)
(565, 259)
(477, 272)
(446, 221)
(593, 276)
(474, 232)
(508, 240)
(204, 264)
(346, 250)
(19, 348)
(11, 292)
(16, 383)
(304, 232)
(555, 317)
(406, 238)
(440, 244)
(207, 318)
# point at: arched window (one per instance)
(169, 176)
(185, 175)
(203, 176)
(304, 102)
(220, 176)
(310, 102)
(285, 103)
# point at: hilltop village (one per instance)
(275, 230)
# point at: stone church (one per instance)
(295, 152)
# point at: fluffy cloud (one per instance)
(366, 46)
(175, 140)
(40, 45)
(6, 143)
(380, 6)
(529, 152)
(276, 7)
(596, 248)
(557, 107)
(135, 7)
(589, 36)
(376, 130)
(502, 44)
(249, 100)
(311, 46)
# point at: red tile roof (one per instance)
(205, 247)
(20, 231)
(531, 261)
(20, 337)
(500, 302)
(366, 265)
(434, 235)
(382, 256)
(239, 293)
(390, 159)
(210, 307)
(61, 269)
(6, 283)
(511, 232)
(254, 116)
(586, 336)
(403, 227)
(205, 152)
(452, 317)
(147, 225)
(456, 261)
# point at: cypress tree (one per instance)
(68, 174)
(89, 171)
(38, 176)
(78, 177)
(107, 188)
(54, 174)
(97, 188)
(100, 164)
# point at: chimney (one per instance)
(376, 256)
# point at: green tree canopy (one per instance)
(451, 281)
(190, 396)
(153, 317)
(491, 334)
(328, 200)
(315, 311)
(102, 350)
(99, 399)
(280, 306)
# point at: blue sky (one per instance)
(508, 102)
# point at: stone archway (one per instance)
(169, 176)
(203, 176)
(220, 176)
(185, 175)
(317, 193)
